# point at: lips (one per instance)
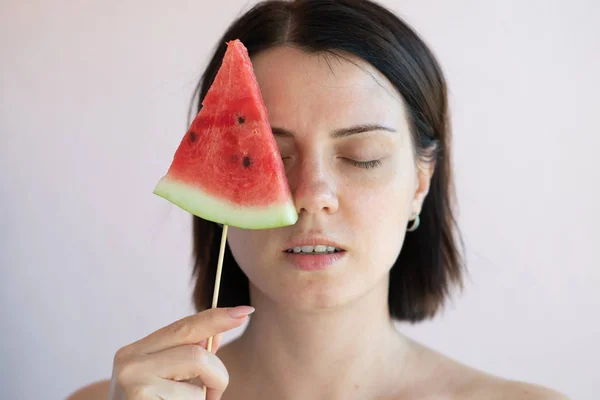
(314, 261)
(318, 249)
(308, 243)
(297, 253)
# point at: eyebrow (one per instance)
(339, 133)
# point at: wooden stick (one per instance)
(217, 284)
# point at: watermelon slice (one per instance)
(227, 168)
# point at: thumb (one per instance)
(216, 343)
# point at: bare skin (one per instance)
(323, 335)
(431, 375)
(446, 379)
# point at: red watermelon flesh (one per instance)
(227, 168)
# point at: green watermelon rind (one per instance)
(201, 204)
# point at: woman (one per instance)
(358, 106)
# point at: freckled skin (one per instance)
(365, 210)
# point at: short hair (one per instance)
(430, 263)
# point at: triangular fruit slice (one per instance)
(227, 168)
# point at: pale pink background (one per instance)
(93, 103)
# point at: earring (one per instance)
(415, 225)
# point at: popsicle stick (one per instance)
(217, 285)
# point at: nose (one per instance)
(314, 189)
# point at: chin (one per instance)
(312, 299)
(310, 291)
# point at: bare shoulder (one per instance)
(481, 385)
(95, 391)
(494, 388)
(455, 380)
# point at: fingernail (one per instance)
(240, 311)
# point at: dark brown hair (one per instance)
(430, 262)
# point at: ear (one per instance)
(425, 170)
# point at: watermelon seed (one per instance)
(247, 162)
(192, 136)
(241, 119)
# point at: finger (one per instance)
(192, 329)
(187, 362)
(211, 394)
(166, 389)
(216, 343)
(217, 340)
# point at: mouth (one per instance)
(317, 257)
(313, 250)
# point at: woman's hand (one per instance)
(161, 365)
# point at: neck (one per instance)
(338, 353)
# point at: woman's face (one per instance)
(353, 188)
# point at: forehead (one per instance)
(301, 88)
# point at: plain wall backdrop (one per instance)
(94, 98)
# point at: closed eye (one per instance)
(363, 164)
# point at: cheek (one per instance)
(380, 214)
(243, 247)
(380, 217)
(385, 198)
(251, 249)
